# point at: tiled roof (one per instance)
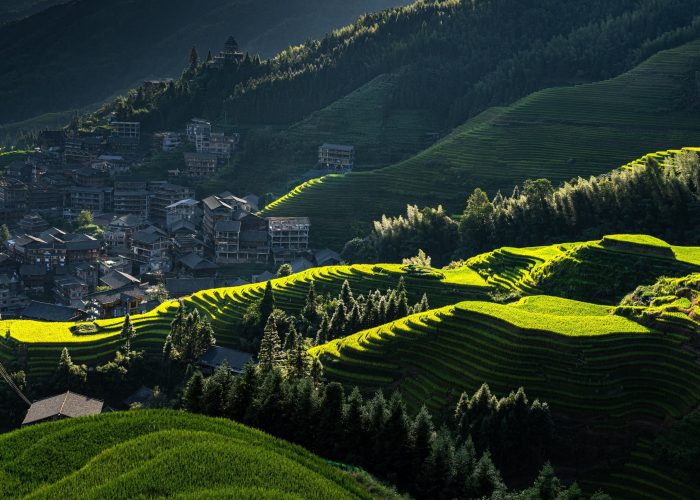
(64, 405)
(217, 355)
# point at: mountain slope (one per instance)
(162, 453)
(557, 133)
(86, 50)
(225, 308)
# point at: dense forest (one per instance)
(454, 57)
(87, 50)
(661, 200)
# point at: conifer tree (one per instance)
(323, 332)
(267, 303)
(297, 358)
(127, 335)
(316, 374)
(270, 352)
(422, 436)
(241, 393)
(216, 388)
(395, 459)
(423, 305)
(192, 400)
(338, 322)
(486, 481)
(346, 296)
(332, 411)
(310, 310)
(210, 58)
(194, 59)
(355, 441)
(437, 474)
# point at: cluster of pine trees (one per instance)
(452, 461)
(324, 318)
(661, 200)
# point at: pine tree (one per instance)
(216, 388)
(267, 303)
(192, 399)
(323, 333)
(395, 460)
(422, 436)
(338, 322)
(241, 394)
(436, 478)
(310, 310)
(297, 358)
(209, 56)
(485, 481)
(127, 335)
(316, 374)
(330, 433)
(194, 59)
(355, 440)
(346, 296)
(270, 353)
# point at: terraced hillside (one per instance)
(599, 271)
(225, 307)
(584, 361)
(159, 454)
(558, 133)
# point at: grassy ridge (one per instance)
(226, 307)
(599, 271)
(162, 453)
(606, 369)
(558, 133)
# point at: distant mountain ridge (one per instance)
(81, 52)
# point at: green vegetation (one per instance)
(544, 135)
(581, 359)
(162, 453)
(225, 309)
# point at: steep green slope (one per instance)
(600, 271)
(557, 133)
(225, 308)
(81, 50)
(605, 369)
(162, 453)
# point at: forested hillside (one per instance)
(86, 50)
(393, 82)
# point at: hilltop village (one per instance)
(84, 236)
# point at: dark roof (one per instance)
(197, 263)
(42, 311)
(147, 237)
(326, 255)
(186, 225)
(113, 296)
(118, 279)
(229, 226)
(128, 220)
(64, 405)
(214, 202)
(32, 270)
(83, 243)
(217, 355)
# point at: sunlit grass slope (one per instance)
(225, 307)
(598, 271)
(579, 357)
(558, 133)
(162, 453)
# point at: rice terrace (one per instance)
(379, 249)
